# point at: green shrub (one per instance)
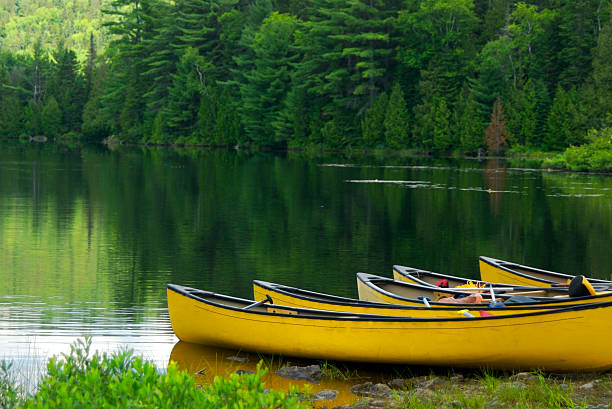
(122, 380)
(595, 155)
(10, 395)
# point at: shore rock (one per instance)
(524, 376)
(310, 373)
(237, 359)
(328, 394)
(379, 390)
(430, 383)
(398, 383)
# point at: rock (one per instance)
(457, 378)
(367, 404)
(524, 376)
(398, 383)
(328, 394)
(587, 386)
(237, 359)
(39, 138)
(379, 390)
(310, 373)
(430, 383)
(424, 393)
(244, 371)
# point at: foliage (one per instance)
(10, 395)
(84, 380)
(595, 155)
(397, 120)
(321, 73)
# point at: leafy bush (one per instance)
(10, 396)
(122, 380)
(595, 155)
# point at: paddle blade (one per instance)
(580, 287)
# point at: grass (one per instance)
(80, 379)
(532, 390)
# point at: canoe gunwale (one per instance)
(408, 271)
(496, 263)
(509, 266)
(367, 279)
(361, 317)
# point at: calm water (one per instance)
(89, 237)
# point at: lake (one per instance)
(89, 236)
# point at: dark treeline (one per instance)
(432, 75)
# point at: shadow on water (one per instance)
(205, 362)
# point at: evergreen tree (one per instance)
(437, 35)
(495, 75)
(397, 121)
(33, 118)
(441, 138)
(372, 123)
(496, 134)
(51, 117)
(268, 83)
(521, 114)
(68, 88)
(94, 123)
(495, 19)
(184, 96)
(124, 107)
(580, 23)
(345, 50)
(562, 128)
(470, 129)
(600, 106)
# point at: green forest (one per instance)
(434, 76)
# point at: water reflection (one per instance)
(205, 362)
(89, 237)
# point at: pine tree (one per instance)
(184, 96)
(397, 120)
(602, 78)
(267, 85)
(51, 118)
(496, 135)
(372, 122)
(470, 129)
(521, 114)
(32, 116)
(94, 123)
(346, 49)
(562, 128)
(580, 23)
(442, 139)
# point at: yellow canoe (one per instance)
(576, 338)
(296, 297)
(374, 288)
(429, 278)
(501, 271)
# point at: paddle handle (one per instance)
(258, 303)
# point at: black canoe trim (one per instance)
(304, 313)
(409, 271)
(312, 296)
(370, 279)
(506, 266)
